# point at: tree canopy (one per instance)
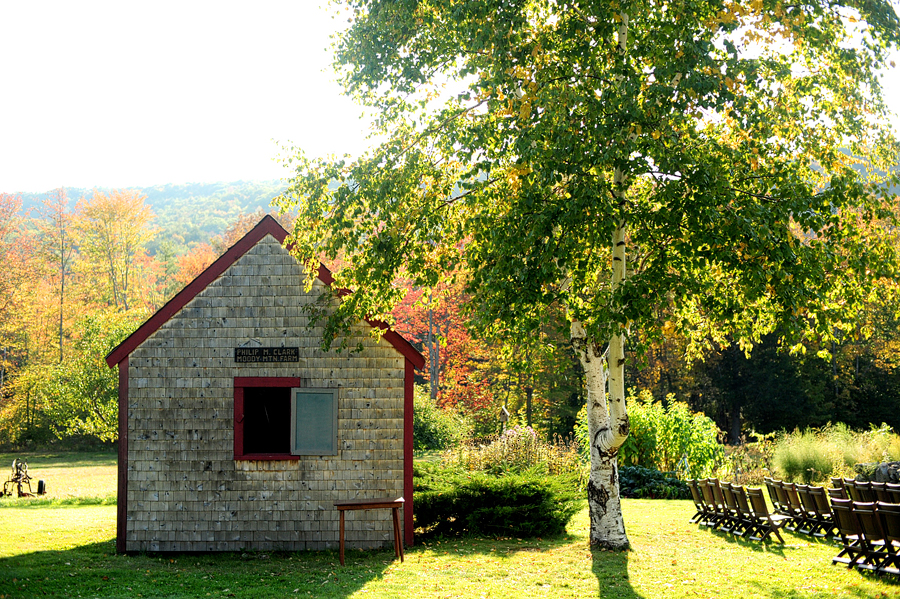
(732, 148)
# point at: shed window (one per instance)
(275, 419)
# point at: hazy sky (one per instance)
(116, 94)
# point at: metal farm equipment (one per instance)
(18, 478)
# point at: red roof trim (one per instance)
(267, 226)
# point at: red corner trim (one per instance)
(267, 226)
(408, 453)
(122, 491)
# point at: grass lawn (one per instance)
(68, 551)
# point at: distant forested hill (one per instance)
(191, 213)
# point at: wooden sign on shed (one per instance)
(237, 432)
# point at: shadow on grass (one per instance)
(611, 570)
(95, 570)
(770, 545)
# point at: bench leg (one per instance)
(342, 537)
(398, 544)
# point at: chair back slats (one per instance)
(740, 494)
(820, 499)
(869, 524)
(784, 505)
(773, 494)
(880, 492)
(861, 492)
(893, 491)
(806, 500)
(843, 516)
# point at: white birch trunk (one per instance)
(607, 418)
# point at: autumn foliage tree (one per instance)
(458, 363)
(113, 228)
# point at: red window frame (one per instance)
(240, 383)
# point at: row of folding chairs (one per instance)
(869, 534)
(866, 491)
(734, 509)
(806, 507)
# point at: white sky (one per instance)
(118, 94)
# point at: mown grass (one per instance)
(60, 551)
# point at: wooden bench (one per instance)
(394, 503)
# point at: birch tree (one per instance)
(705, 167)
(58, 246)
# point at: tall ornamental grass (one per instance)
(666, 436)
(814, 455)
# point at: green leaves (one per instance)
(748, 136)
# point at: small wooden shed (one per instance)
(237, 432)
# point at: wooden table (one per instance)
(393, 503)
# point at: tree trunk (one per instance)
(62, 288)
(434, 353)
(607, 428)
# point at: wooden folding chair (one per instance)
(823, 512)
(765, 523)
(699, 504)
(735, 524)
(889, 513)
(811, 524)
(750, 524)
(773, 494)
(795, 508)
(721, 509)
(849, 531)
(783, 506)
(838, 483)
(872, 541)
(714, 514)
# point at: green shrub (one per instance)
(669, 438)
(452, 501)
(648, 483)
(434, 427)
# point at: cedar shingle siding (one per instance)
(186, 492)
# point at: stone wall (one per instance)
(186, 492)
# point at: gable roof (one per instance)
(267, 226)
